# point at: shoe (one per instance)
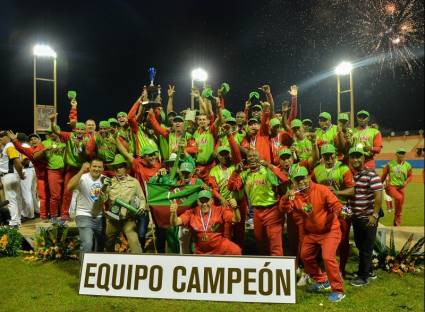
(336, 297)
(303, 280)
(372, 275)
(317, 287)
(358, 282)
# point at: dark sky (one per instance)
(105, 48)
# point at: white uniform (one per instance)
(11, 183)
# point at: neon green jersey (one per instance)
(365, 137)
(221, 176)
(398, 172)
(173, 141)
(258, 186)
(303, 148)
(75, 153)
(106, 148)
(54, 156)
(144, 139)
(128, 136)
(328, 136)
(205, 142)
(331, 176)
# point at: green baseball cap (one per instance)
(285, 151)
(178, 117)
(253, 120)
(300, 171)
(104, 124)
(307, 121)
(172, 158)
(274, 122)
(205, 194)
(327, 149)
(225, 88)
(230, 119)
(223, 148)
(118, 160)
(172, 114)
(207, 93)
(401, 150)
(148, 150)
(72, 94)
(226, 113)
(121, 114)
(296, 123)
(80, 125)
(356, 150)
(343, 116)
(363, 112)
(254, 94)
(112, 120)
(187, 167)
(325, 115)
(257, 108)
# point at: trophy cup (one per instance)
(153, 91)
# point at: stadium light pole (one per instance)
(344, 69)
(43, 51)
(198, 74)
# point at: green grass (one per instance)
(54, 287)
(413, 209)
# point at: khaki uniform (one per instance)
(128, 190)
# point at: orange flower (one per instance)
(4, 241)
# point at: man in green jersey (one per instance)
(327, 132)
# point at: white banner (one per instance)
(215, 278)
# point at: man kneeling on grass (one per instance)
(210, 223)
(89, 209)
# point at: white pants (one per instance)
(29, 195)
(12, 193)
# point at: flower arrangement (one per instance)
(10, 241)
(407, 260)
(54, 243)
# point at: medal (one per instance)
(204, 236)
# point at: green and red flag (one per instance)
(160, 196)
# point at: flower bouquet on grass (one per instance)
(54, 243)
(409, 259)
(10, 241)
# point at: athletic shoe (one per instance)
(303, 280)
(372, 275)
(319, 287)
(336, 297)
(359, 282)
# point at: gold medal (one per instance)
(204, 237)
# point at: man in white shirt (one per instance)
(11, 174)
(89, 210)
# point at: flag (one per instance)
(160, 196)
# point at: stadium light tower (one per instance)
(41, 112)
(198, 74)
(344, 69)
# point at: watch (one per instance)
(376, 215)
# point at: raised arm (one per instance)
(294, 98)
(265, 119)
(170, 102)
(174, 220)
(156, 126)
(73, 115)
(268, 93)
(235, 182)
(75, 180)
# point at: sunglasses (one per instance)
(204, 200)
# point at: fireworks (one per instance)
(392, 32)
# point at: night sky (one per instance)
(106, 47)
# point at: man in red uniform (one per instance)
(211, 225)
(316, 211)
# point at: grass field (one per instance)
(54, 287)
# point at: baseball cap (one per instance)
(257, 108)
(307, 121)
(112, 120)
(148, 150)
(254, 94)
(104, 124)
(121, 114)
(363, 112)
(80, 125)
(325, 115)
(172, 114)
(401, 150)
(226, 114)
(356, 150)
(285, 151)
(223, 148)
(299, 172)
(252, 120)
(327, 149)
(118, 160)
(274, 122)
(230, 119)
(34, 135)
(205, 194)
(178, 117)
(343, 116)
(186, 167)
(296, 123)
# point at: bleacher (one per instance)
(410, 143)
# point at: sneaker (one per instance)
(358, 282)
(303, 280)
(372, 275)
(336, 297)
(319, 286)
